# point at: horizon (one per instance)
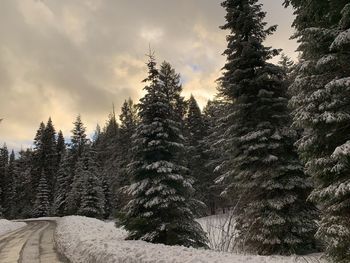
(61, 59)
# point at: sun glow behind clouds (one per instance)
(64, 58)
(152, 35)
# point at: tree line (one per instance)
(274, 144)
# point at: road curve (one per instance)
(31, 244)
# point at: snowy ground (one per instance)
(8, 226)
(83, 239)
(220, 230)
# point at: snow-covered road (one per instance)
(30, 244)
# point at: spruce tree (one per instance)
(195, 132)
(160, 210)
(87, 164)
(263, 167)
(61, 147)
(50, 158)
(321, 108)
(4, 158)
(24, 186)
(78, 144)
(92, 192)
(216, 154)
(107, 146)
(128, 122)
(62, 186)
(11, 188)
(42, 204)
(38, 157)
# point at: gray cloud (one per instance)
(63, 57)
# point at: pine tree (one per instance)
(23, 187)
(42, 204)
(45, 157)
(11, 188)
(4, 157)
(195, 133)
(50, 158)
(86, 164)
(92, 194)
(78, 144)
(62, 186)
(160, 209)
(321, 108)
(173, 88)
(38, 157)
(214, 144)
(107, 148)
(78, 139)
(61, 147)
(273, 216)
(128, 123)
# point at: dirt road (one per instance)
(30, 244)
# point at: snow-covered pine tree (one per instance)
(195, 131)
(42, 204)
(173, 88)
(92, 192)
(273, 216)
(214, 150)
(62, 187)
(61, 147)
(78, 143)
(37, 159)
(128, 123)
(11, 188)
(4, 158)
(107, 147)
(50, 160)
(321, 103)
(160, 210)
(78, 140)
(73, 200)
(24, 187)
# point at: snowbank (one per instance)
(221, 231)
(8, 226)
(83, 239)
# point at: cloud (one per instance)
(63, 58)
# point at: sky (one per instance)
(61, 58)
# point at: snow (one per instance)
(8, 226)
(83, 239)
(342, 150)
(341, 40)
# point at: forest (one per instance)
(272, 147)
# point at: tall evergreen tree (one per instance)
(61, 147)
(4, 158)
(92, 192)
(24, 185)
(195, 132)
(322, 109)
(128, 123)
(87, 164)
(160, 209)
(50, 156)
(173, 88)
(10, 201)
(216, 155)
(107, 147)
(42, 204)
(78, 139)
(38, 157)
(76, 148)
(273, 215)
(62, 187)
